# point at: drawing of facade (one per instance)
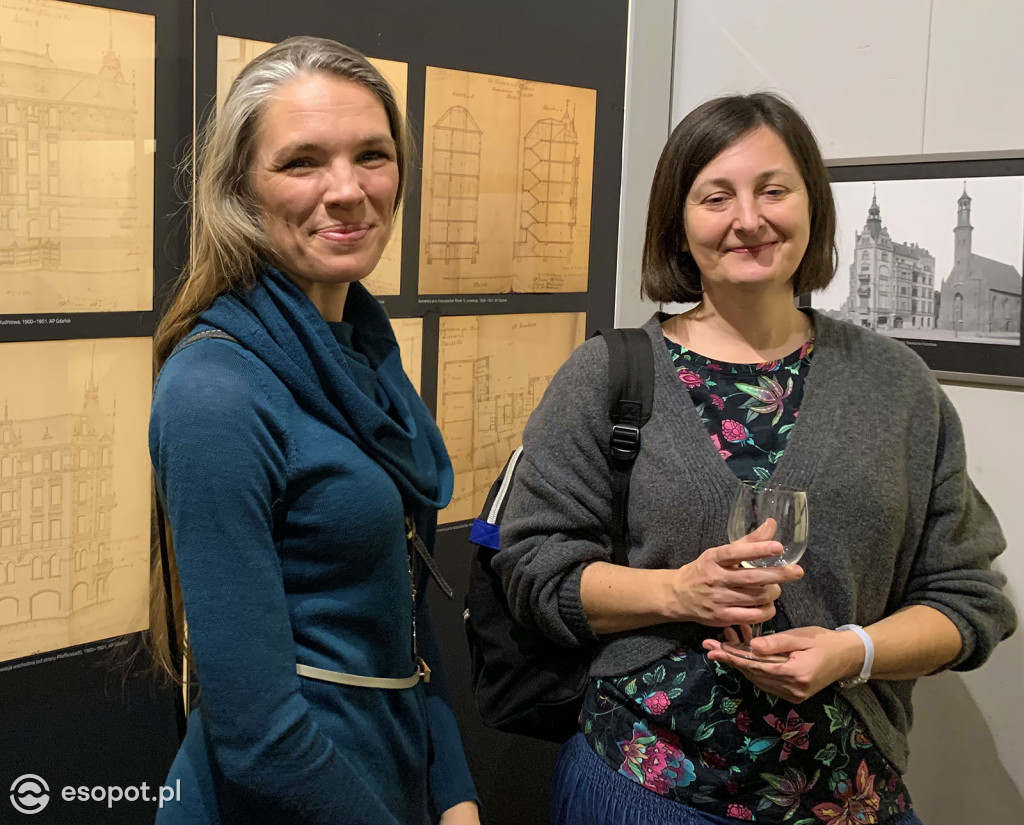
(70, 153)
(892, 284)
(454, 187)
(56, 502)
(548, 193)
(980, 295)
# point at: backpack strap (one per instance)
(182, 698)
(630, 400)
(199, 336)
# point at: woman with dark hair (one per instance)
(299, 470)
(896, 582)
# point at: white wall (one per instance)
(872, 78)
(882, 78)
(646, 124)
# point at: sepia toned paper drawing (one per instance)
(454, 198)
(76, 158)
(233, 53)
(550, 181)
(508, 169)
(74, 492)
(409, 332)
(492, 372)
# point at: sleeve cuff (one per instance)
(570, 605)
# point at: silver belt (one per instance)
(338, 678)
(417, 550)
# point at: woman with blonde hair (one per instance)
(300, 470)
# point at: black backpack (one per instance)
(522, 682)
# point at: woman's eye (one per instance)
(374, 156)
(775, 192)
(298, 163)
(715, 200)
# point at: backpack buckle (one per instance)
(625, 442)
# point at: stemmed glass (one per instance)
(754, 504)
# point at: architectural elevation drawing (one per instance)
(233, 53)
(508, 169)
(76, 158)
(492, 372)
(74, 492)
(550, 181)
(454, 188)
(409, 332)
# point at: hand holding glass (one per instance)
(753, 506)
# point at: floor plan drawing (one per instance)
(76, 158)
(549, 189)
(409, 332)
(454, 188)
(508, 169)
(492, 372)
(233, 53)
(74, 493)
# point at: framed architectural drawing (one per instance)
(76, 158)
(492, 372)
(932, 253)
(74, 484)
(508, 166)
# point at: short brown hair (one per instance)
(669, 272)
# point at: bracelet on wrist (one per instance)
(869, 657)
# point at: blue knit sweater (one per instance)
(287, 462)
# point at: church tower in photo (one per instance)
(980, 295)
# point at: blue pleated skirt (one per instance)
(585, 791)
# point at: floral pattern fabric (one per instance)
(698, 732)
(749, 410)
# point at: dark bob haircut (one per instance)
(669, 272)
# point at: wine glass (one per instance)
(753, 505)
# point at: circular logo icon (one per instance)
(30, 794)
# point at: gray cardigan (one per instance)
(895, 520)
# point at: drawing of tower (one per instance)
(548, 194)
(454, 187)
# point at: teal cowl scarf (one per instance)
(280, 325)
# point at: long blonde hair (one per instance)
(228, 242)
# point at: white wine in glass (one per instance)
(754, 504)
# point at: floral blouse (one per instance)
(698, 732)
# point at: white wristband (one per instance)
(869, 657)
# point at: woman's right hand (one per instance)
(715, 590)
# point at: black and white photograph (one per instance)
(932, 254)
(936, 259)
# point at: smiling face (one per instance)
(747, 216)
(325, 175)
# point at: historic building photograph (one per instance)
(931, 259)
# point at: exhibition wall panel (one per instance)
(508, 244)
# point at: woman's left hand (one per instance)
(816, 657)
(465, 813)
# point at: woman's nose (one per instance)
(747, 216)
(343, 186)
